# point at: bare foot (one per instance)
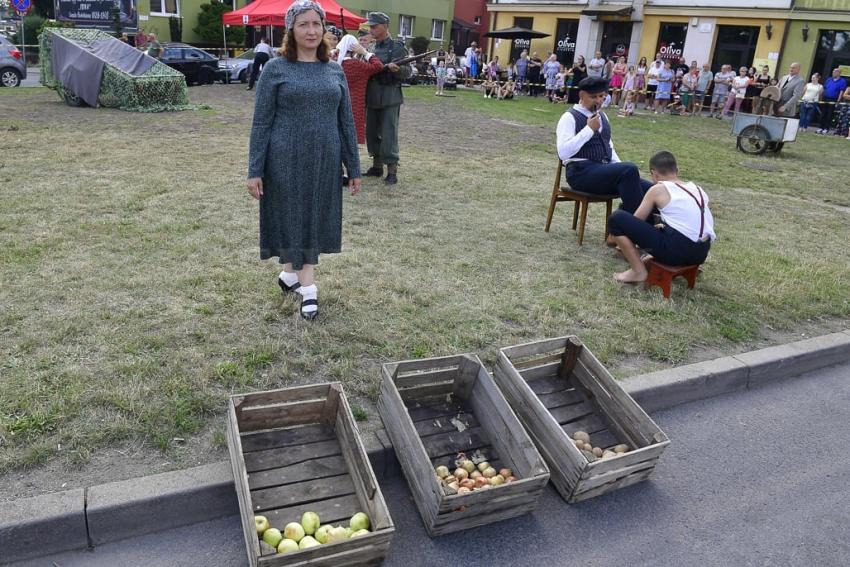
(630, 276)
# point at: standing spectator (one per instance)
(608, 70)
(618, 79)
(760, 81)
(262, 54)
(332, 37)
(652, 81)
(468, 55)
(535, 67)
(521, 71)
(628, 99)
(687, 88)
(739, 89)
(154, 47)
(681, 70)
(722, 84)
(809, 103)
(832, 90)
(472, 64)
(297, 179)
(577, 73)
(440, 73)
(493, 69)
(142, 39)
(441, 54)
(665, 87)
(704, 80)
(640, 79)
(842, 127)
(790, 90)
(359, 65)
(596, 67)
(550, 72)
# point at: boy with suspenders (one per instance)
(687, 226)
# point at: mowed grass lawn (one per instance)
(133, 301)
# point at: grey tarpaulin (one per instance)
(121, 55)
(76, 69)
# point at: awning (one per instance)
(273, 13)
(516, 33)
(607, 11)
(458, 23)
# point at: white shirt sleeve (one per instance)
(568, 142)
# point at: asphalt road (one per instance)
(753, 478)
(33, 74)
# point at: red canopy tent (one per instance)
(272, 13)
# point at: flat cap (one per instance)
(375, 18)
(593, 85)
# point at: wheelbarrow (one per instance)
(758, 134)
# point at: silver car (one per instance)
(13, 69)
(238, 68)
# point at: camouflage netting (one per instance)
(161, 88)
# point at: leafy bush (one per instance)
(209, 25)
(420, 44)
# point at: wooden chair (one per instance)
(582, 201)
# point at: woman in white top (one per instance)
(739, 87)
(809, 106)
(687, 229)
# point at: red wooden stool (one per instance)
(662, 275)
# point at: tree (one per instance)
(44, 8)
(419, 44)
(209, 25)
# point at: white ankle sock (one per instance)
(309, 292)
(289, 278)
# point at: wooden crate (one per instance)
(557, 387)
(419, 398)
(298, 449)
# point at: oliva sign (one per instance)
(566, 45)
(669, 51)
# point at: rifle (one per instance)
(405, 60)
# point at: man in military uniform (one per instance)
(384, 100)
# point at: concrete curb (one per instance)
(109, 512)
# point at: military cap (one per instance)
(593, 85)
(375, 18)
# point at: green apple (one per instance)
(359, 521)
(272, 537)
(359, 533)
(293, 531)
(321, 534)
(338, 533)
(262, 524)
(310, 522)
(307, 541)
(287, 545)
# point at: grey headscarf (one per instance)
(299, 7)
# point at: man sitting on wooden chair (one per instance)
(687, 228)
(585, 147)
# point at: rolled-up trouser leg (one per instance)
(604, 178)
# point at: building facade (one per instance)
(818, 37)
(408, 18)
(470, 23)
(713, 31)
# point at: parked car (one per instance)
(239, 68)
(197, 65)
(13, 69)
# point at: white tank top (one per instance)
(683, 211)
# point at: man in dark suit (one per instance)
(791, 88)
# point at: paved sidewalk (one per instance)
(751, 478)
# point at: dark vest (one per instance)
(598, 148)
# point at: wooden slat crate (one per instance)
(419, 398)
(557, 387)
(296, 450)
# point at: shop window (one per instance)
(735, 46)
(616, 37)
(833, 51)
(565, 41)
(671, 41)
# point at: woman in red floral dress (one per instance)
(357, 68)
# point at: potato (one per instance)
(597, 451)
(578, 444)
(589, 456)
(622, 448)
(608, 454)
(581, 436)
(588, 447)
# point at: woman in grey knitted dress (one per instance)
(303, 131)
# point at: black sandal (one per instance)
(309, 315)
(288, 288)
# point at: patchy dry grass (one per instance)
(133, 302)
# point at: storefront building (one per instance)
(818, 37)
(560, 20)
